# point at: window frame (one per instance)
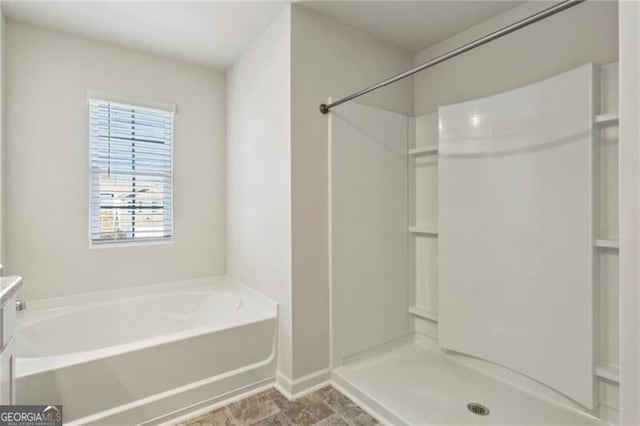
(93, 96)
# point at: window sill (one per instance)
(123, 244)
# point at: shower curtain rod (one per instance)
(325, 108)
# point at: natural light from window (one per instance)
(131, 162)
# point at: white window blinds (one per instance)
(131, 166)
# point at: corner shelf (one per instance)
(606, 119)
(423, 230)
(607, 243)
(418, 152)
(424, 313)
(609, 372)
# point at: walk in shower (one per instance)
(473, 255)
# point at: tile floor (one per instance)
(326, 407)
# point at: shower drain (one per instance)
(477, 408)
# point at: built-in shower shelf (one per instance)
(606, 119)
(417, 152)
(423, 230)
(609, 372)
(424, 313)
(607, 243)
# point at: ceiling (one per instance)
(411, 25)
(209, 33)
(215, 33)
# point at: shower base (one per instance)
(414, 382)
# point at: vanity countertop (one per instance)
(8, 288)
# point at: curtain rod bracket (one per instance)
(324, 109)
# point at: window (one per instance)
(131, 166)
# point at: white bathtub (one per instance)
(145, 354)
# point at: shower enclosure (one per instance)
(474, 256)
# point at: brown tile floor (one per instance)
(326, 407)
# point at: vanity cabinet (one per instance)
(7, 373)
(8, 289)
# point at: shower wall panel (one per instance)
(515, 256)
(369, 240)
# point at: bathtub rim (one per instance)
(119, 293)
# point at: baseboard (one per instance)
(294, 389)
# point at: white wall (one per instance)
(277, 200)
(328, 59)
(629, 212)
(46, 158)
(585, 33)
(259, 173)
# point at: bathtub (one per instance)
(147, 354)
